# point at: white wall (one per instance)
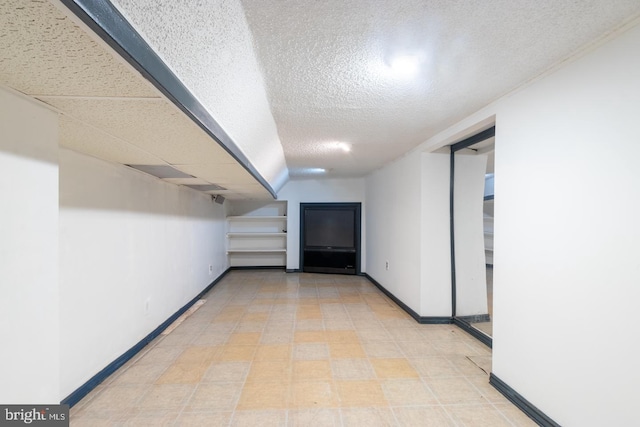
(435, 259)
(394, 229)
(567, 269)
(127, 240)
(29, 327)
(320, 191)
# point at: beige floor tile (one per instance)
(352, 369)
(269, 348)
(477, 416)
(306, 370)
(377, 334)
(367, 393)
(244, 338)
(313, 394)
(273, 351)
(338, 324)
(369, 417)
(283, 336)
(348, 336)
(256, 316)
(159, 355)
(259, 418)
(114, 399)
(235, 353)
(427, 416)
(320, 417)
(381, 349)
(226, 372)
(151, 418)
(183, 373)
(166, 396)
(214, 397)
(270, 370)
(311, 351)
(346, 350)
(199, 419)
(393, 368)
(141, 374)
(250, 326)
(198, 354)
(264, 395)
(309, 336)
(455, 391)
(407, 392)
(435, 367)
(515, 415)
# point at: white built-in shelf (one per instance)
(255, 234)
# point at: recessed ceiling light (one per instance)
(314, 170)
(405, 65)
(343, 146)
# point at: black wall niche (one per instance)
(330, 238)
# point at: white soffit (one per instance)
(108, 110)
(208, 46)
(328, 66)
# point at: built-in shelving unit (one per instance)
(257, 234)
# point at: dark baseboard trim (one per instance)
(476, 318)
(94, 381)
(293, 270)
(523, 404)
(258, 267)
(480, 336)
(426, 320)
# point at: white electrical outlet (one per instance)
(386, 265)
(210, 269)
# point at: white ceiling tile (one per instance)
(88, 140)
(153, 125)
(43, 52)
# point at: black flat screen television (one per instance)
(330, 228)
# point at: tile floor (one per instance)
(275, 349)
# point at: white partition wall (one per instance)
(29, 325)
(133, 251)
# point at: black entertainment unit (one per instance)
(330, 237)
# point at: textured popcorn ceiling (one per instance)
(108, 110)
(326, 66)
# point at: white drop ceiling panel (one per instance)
(221, 174)
(152, 125)
(97, 143)
(43, 52)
